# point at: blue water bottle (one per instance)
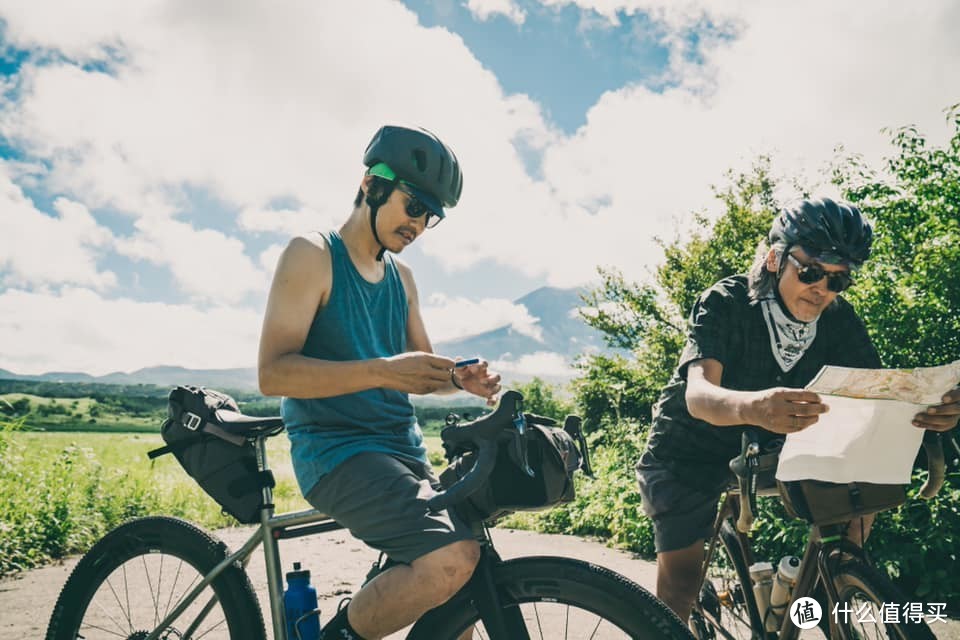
(299, 599)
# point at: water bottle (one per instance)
(299, 599)
(783, 583)
(761, 574)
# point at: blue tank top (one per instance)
(361, 320)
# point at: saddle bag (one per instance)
(552, 456)
(222, 463)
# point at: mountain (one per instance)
(164, 376)
(557, 330)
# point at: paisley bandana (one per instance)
(789, 338)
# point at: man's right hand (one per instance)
(783, 410)
(417, 372)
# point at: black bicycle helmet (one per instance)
(421, 161)
(830, 232)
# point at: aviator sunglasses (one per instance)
(416, 209)
(837, 281)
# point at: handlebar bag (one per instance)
(552, 455)
(223, 464)
(823, 503)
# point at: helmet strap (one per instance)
(375, 201)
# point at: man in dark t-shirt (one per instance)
(754, 341)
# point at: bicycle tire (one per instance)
(541, 585)
(726, 593)
(859, 578)
(110, 592)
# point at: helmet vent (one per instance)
(420, 159)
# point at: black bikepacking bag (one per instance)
(222, 463)
(552, 455)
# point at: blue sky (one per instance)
(147, 188)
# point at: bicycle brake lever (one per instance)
(572, 425)
(520, 442)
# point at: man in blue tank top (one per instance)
(344, 342)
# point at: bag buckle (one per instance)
(191, 420)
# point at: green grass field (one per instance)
(64, 490)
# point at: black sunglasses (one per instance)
(837, 281)
(416, 209)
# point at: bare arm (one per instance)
(473, 378)
(778, 409)
(300, 286)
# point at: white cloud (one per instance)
(449, 318)
(269, 258)
(100, 335)
(39, 250)
(485, 9)
(206, 263)
(541, 363)
(258, 103)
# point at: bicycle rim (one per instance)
(129, 581)
(862, 592)
(559, 598)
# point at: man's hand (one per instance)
(941, 417)
(783, 410)
(477, 380)
(417, 372)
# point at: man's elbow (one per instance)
(267, 380)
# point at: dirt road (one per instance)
(338, 565)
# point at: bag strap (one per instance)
(174, 448)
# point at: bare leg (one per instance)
(400, 595)
(678, 577)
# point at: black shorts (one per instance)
(681, 514)
(382, 500)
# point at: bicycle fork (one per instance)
(501, 624)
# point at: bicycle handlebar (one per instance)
(484, 435)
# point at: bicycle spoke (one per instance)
(546, 620)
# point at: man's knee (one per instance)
(444, 571)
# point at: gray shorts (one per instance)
(382, 500)
(681, 514)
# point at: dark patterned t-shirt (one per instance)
(727, 326)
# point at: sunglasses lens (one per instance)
(809, 274)
(838, 282)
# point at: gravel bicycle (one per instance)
(833, 571)
(161, 578)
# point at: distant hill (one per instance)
(561, 331)
(163, 376)
(558, 330)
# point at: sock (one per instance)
(339, 628)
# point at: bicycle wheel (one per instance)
(559, 598)
(726, 597)
(862, 592)
(133, 577)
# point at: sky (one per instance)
(156, 156)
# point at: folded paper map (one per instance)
(866, 436)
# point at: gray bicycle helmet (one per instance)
(418, 159)
(830, 232)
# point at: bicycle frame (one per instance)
(296, 524)
(272, 528)
(822, 544)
